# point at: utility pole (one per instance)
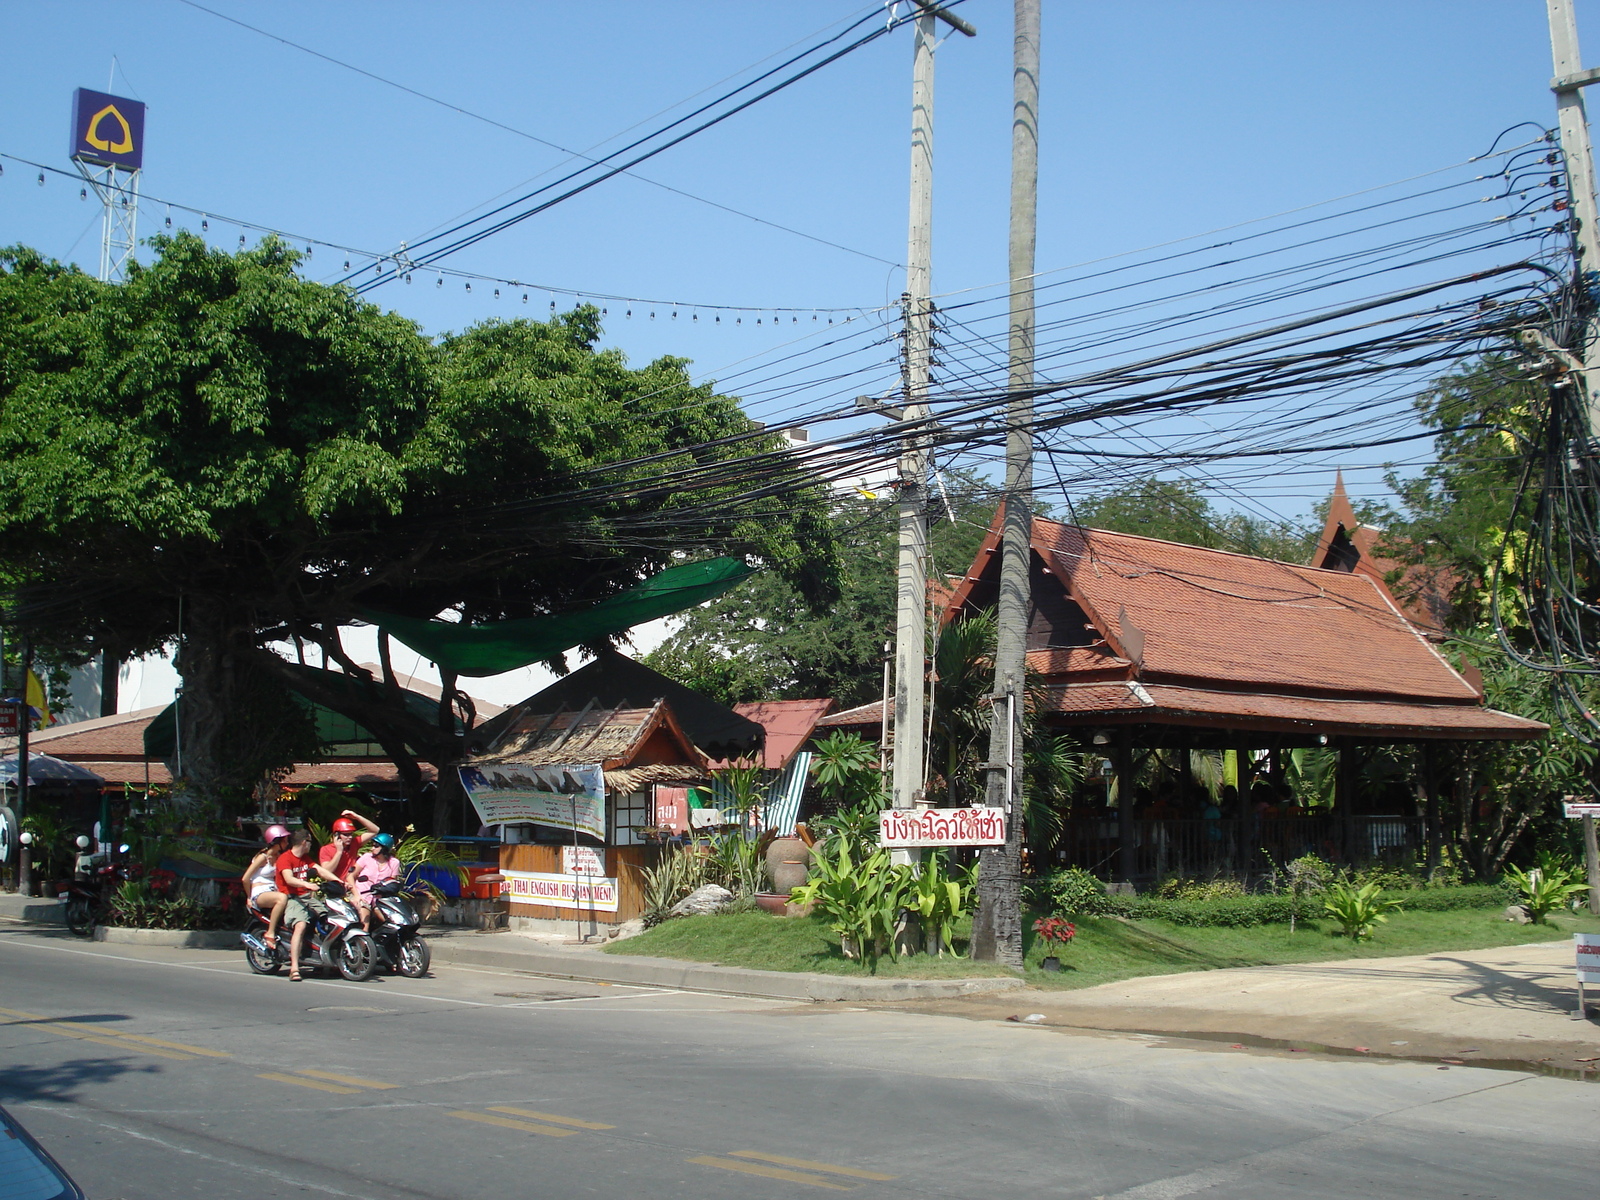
(911, 609)
(997, 925)
(1568, 83)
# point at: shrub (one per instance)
(1073, 892)
(1543, 891)
(1359, 910)
(1242, 911)
(1200, 889)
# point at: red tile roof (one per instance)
(789, 724)
(1206, 637)
(1424, 592)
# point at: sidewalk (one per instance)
(1510, 1005)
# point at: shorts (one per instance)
(304, 907)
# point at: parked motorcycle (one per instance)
(395, 926)
(88, 894)
(336, 941)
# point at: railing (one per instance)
(1231, 847)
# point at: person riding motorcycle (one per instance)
(261, 880)
(342, 850)
(378, 865)
(299, 876)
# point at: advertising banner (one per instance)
(567, 797)
(904, 827)
(1588, 957)
(560, 891)
(108, 130)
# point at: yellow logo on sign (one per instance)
(122, 147)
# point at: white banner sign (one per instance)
(1580, 810)
(567, 797)
(1588, 957)
(583, 860)
(560, 891)
(899, 827)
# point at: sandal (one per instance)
(295, 977)
(270, 940)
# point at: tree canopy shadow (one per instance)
(63, 1081)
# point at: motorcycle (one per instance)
(88, 894)
(395, 931)
(336, 941)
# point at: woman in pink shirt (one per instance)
(378, 865)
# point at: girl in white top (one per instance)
(261, 880)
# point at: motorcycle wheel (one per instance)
(356, 956)
(414, 958)
(80, 916)
(262, 963)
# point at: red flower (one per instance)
(1055, 929)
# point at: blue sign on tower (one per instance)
(107, 130)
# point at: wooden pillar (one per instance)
(1127, 862)
(1246, 830)
(1344, 792)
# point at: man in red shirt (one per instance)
(298, 872)
(340, 855)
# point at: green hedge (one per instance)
(1076, 893)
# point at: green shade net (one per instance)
(506, 645)
(333, 729)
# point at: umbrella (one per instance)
(44, 769)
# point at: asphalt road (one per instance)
(173, 1074)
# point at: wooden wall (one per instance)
(622, 864)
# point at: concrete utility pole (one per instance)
(1568, 83)
(911, 611)
(997, 926)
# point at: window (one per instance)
(627, 815)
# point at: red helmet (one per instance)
(273, 832)
(344, 825)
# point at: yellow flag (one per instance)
(36, 700)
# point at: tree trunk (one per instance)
(235, 722)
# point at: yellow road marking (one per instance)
(539, 1116)
(508, 1123)
(811, 1166)
(94, 1032)
(352, 1080)
(310, 1083)
(750, 1168)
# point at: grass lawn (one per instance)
(1106, 948)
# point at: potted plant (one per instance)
(1055, 930)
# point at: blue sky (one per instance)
(1158, 120)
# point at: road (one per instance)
(174, 1074)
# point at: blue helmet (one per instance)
(386, 840)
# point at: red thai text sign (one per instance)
(1588, 957)
(941, 827)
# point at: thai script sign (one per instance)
(941, 827)
(1572, 809)
(560, 891)
(566, 797)
(108, 130)
(583, 860)
(1588, 957)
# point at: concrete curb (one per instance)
(591, 966)
(187, 939)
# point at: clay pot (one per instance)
(788, 861)
(776, 903)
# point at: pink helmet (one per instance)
(273, 832)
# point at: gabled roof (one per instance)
(1131, 629)
(789, 724)
(613, 737)
(614, 680)
(1346, 544)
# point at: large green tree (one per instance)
(222, 455)
(1180, 510)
